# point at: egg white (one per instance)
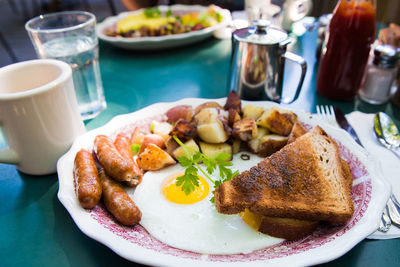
(196, 227)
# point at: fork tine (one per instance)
(332, 111)
(327, 113)
(333, 117)
(324, 115)
(318, 111)
(324, 111)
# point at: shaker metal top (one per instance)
(386, 56)
(261, 33)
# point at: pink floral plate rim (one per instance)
(362, 195)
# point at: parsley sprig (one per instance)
(191, 163)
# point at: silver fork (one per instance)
(327, 113)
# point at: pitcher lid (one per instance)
(261, 33)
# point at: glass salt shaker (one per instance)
(396, 97)
(379, 75)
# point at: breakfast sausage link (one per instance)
(118, 202)
(112, 161)
(87, 179)
(123, 145)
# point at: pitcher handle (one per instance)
(303, 64)
(8, 155)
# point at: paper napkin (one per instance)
(363, 125)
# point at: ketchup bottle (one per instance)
(345, 55)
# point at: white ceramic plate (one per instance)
(370, 193)
(161, 42)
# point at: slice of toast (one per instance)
(299, 130)
(348, 175)
(304, 180)
(289, 229)
(293, 229)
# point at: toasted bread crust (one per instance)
(293, 229)
(289, 229)
(304, 180)
(227, 201)
(348, 175)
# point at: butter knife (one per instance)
(345, 125)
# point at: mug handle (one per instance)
(8, 155)
(303, 64)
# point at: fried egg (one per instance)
(191, 222)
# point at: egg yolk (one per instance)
(251, 219)
(174, 193)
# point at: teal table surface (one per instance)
(36, 230)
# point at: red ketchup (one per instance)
(351, 33)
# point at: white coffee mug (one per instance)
(39, 114)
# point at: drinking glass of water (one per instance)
(70, 36)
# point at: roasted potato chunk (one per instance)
(154, 158)
(184, 130)
(233, 101)
(213, 150)
(245, 129)
(161, 128)
(252, 112)
(236, 146)
(290, 115)
(171, 145)
(212, 132)
(271, 143)
(209, 115)
(297, 131)
(137, 136)
(152, 139)
(233, 116)
(225, 123)
(254, 143)
(210, 104)
(275, 121)
(192, 149)
(180, 112)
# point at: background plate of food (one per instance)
(196, 234)
(162, 26)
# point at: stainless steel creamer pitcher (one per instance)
(258, 61)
